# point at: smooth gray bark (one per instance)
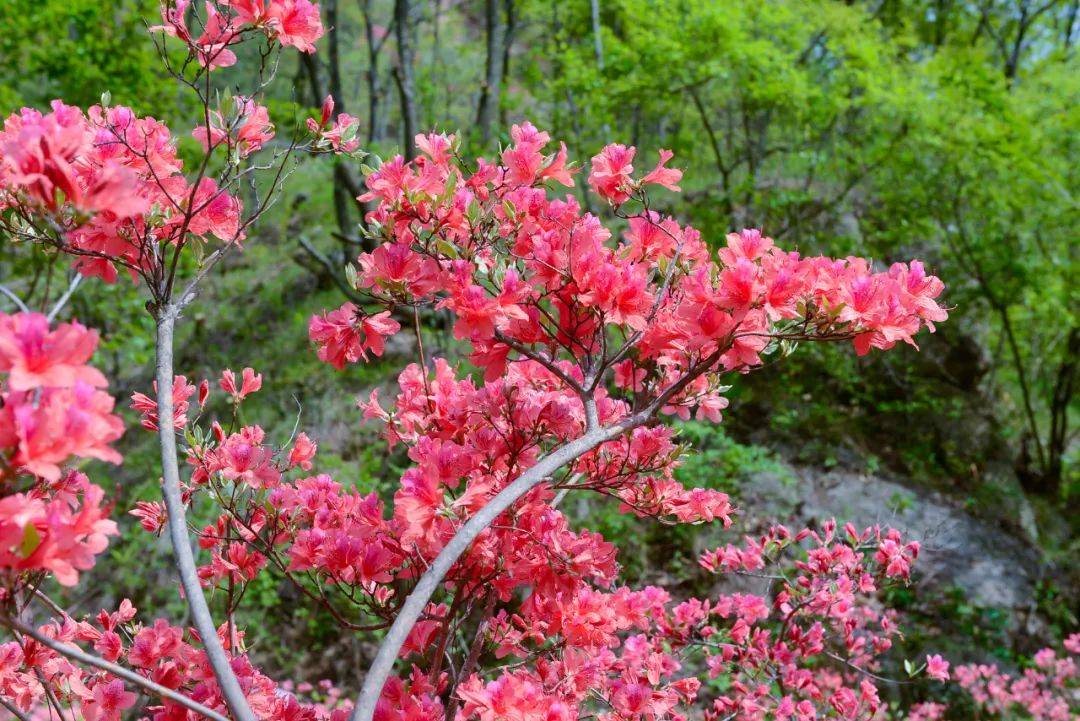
(416, 602)
(178, 529)
(77, 654)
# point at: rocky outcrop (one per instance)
(993, 567)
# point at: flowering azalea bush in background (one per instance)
(581, 333)
(1048, 689)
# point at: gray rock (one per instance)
(992, 567)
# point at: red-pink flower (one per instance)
(937, 668)
(215, 212)
(33, 356)
(339, 137)
(108, 701)
(250, 382)
(44, 431)
(211, 47)
(302, 452)
(151, 515)
(147, 406)
(244, 458)
(610, 175)
(248, 132)
(296, 23)
(662, 175)
(59, 535)
(41, 155)
(344, 336)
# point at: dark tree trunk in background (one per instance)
(491, 90)
(344, 183)
(1012, 61)
(1060, 400)
(598, 42)
(508, 41)
(405, 73)
(347, 185)
(1070, 25)
(942, 9)
(333, 52)
(376, 114)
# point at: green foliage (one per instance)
(720, 462)
(78, 49)
(887, 131)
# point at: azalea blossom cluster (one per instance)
(337, 137)
(528, 275)
(807, 647)
(31, 671)
(52, 410)
(1047, 690)
(57, 525)
(823, 614)
(292, 23)
(583, 334)
(468, 442)
(803, 651)
(53, 522)
(109, 186)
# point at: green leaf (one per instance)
(30, 541)
(446, 248)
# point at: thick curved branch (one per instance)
(433, 576)
(423, 591)
(77, 654)
(174, 505)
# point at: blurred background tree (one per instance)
(78, 49)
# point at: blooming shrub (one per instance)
(1046, 690)
(583, 330)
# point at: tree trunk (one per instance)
(347, 185)
(491, 89)
(333, 53)
(598, 43)
(376, 116)
(178, 528)
(1060, 401)
(405, 74)
(508, 41)
(1070, 24)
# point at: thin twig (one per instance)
(63, 300)
(14, 298)
(76, 654)
(11, 709)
